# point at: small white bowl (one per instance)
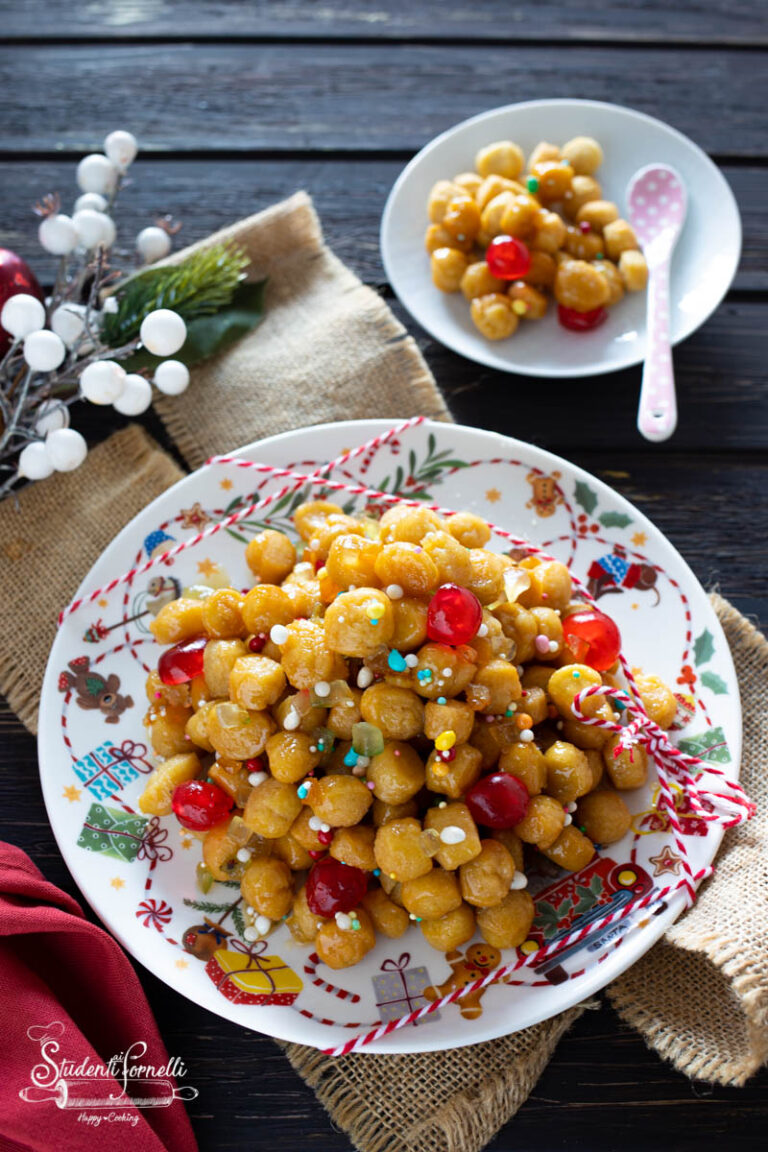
(703, 267)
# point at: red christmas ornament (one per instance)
(183, 662)
(199, 805)
(507, 258)
(498, 801)
(454, 615)
(593, 638)
(581, 321)
(15, 276)
(334, 887)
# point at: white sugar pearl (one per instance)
(66, 449)
(482, 630)
(21, 315)
(91, 200)
(363, 762)
(364, 677)
(152, 244)
(570, 806)
(58, 235)
(411, 660)
(244, 855)
(256, 778)
(568, 819)
(278, 634)
(135, 397)
(95, 173)
(526, 736)
(251, 910)
(394, 591)
(68, 322)
(121, 148)
(163, 332)
(34, 462)
(251, 934)
(343, 921)
(519, 880)
(322, 688)
(452, 834)
(262, 924)
(44, 350)
(91, 228)
(172, 377)
(554, 646)
(325, 827)
(51, 414)
(315, 823)
(292, 720)
(102, 382)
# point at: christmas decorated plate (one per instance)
(138, 872)
(702, 268)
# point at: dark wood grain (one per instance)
(717, 21)
(361, 98)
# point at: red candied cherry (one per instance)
(498, 801)
(593, 638)
(334, 887)
(507, 258)
(454, 615)
(581, 321)
(182, 662)
(198, 805)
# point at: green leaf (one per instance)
(585, 497)
(587, 900)
(431, 444)
(712, 681)
(205, 905)
(238, 920)
(237, 536)
(709, 745)
(614, 519)
(704, 647)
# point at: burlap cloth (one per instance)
(330, 349)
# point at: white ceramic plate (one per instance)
(703, 266)
(139, 874)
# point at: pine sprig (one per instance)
(200, 286)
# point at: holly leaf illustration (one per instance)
(585, 496)
(703, 647)
(715, 684)
(709, 745)
(614, 519)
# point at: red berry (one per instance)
(182, 662)
(454, 615)
(334, 887)
(507, 258)
(255, 764)
(256, 643)
(325, 837)
(498, 801)
(581, 321)
(585, 227)
(593, 638)
(199, 805)
(316, 853)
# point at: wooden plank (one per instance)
(349, 195)
(715, 21)
(359, 98)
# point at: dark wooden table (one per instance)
(235, 106)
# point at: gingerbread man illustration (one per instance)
(478, 961)
(545, 494)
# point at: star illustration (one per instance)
(182, 964)
(225, 484)
(117, 882)
(635, 607)
(206, 567)
(71, 793)
(493, 495)
(187, 844)
(639, 539)
(103, 602)
(666, 861)
(194, 517)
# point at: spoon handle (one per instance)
(657, 414)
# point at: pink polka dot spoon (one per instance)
(657, 202)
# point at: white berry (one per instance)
(68, 322)
(58, 235)
(91, 200)
(89, 227)
(102, 382)
(95, 173)
(135, 397)
(51, 414)
(121, 148)
(34, 462)
(44, 350)
(66, 449)
(163, 332)
(21, 315)
(152, 244)
(172, 377)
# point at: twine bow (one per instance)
(399, 965)
(153, 846)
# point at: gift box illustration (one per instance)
(107, 769)
(245, 975)
(400, 989)
(124, 835)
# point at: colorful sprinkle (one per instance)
(441, 700)
(394, 591)
(532, 184)
(445, 740)
(351, 758)
(364, 677)
(541, 643)
(520, 308)
(397, 661)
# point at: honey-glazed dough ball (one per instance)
(550, 587)
(219, 658)
(542, 823)
(536, 704)
(502, 684)
(633, 270)
(568, 772)
(407, 565)
(583, 190)
(197, 726)
(504, 158)
(398, 712)
(302, 923)
(411, 524)
(478, 280)
(399, 850)
(177, 621)
(630, 768)
(519, 216)
(453, 778)
(341, 801)
(176, 694)
(582, 245)
(167, 730)
(307, 653)
(448, 266)
(433, 895)
(462, 218)
(310, 516)
(454, 815)
(549, 625)
(270, 556)
(410, 615)
(440, 197)
(450, 670)
(236, 732)
(292, 853)
(527, 301)
(220, 853)
(584, 155)
(619, 236)
(567, 682)
(486, 578)
(349, 622)
(450, 931)
(397, 773)
(549, 233)
(305, 600)
(537, 676)
(508, 923)
(264, 606)
(615, 283)
(436, 237)
(272, 808)
(512, 843)
(542, 271)
(455, 716)
(572, 850)
(267, 884)
(596, 765)
(493, 215)
(527, 763)
(554, 179)
(492, 187)
(256, 682)
(521, 626)
(343, 947)
(580, 286)
(588, 736)
(659, 700)
(485, 880)
(469, 181)
(388, 918)
(354, 846)
(598, 213)
(351, 562)
(542, 153)
(289, 708)
(604, 816)
(449, 556)
(470, 530)
(155, 800)
(223, 613)
(342, 718)
(381, 812)
(494, 316)
(290, 756)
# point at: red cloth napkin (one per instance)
(70, 984)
